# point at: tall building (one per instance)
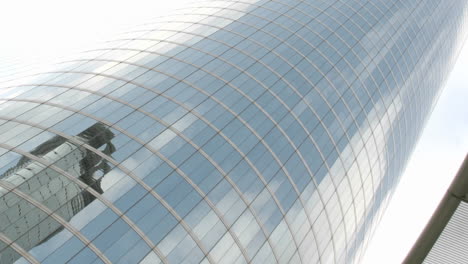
(256, 131)
(444, 240)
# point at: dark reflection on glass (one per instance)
(27, 225)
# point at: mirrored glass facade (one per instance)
(256, 131)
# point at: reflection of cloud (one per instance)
(42, 250)
(78, 221)
(115, 184)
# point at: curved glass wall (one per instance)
(229, 132)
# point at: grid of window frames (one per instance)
(267, 131)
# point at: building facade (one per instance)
(444, 239)
(256, 131)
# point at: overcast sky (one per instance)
(38, 31)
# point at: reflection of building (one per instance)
(27, 225)
(244, 131)
(445, 238)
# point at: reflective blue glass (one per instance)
(260, 131)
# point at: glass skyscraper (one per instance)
(253, 131)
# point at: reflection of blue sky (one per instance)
(42, 33)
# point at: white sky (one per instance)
(38, 31)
